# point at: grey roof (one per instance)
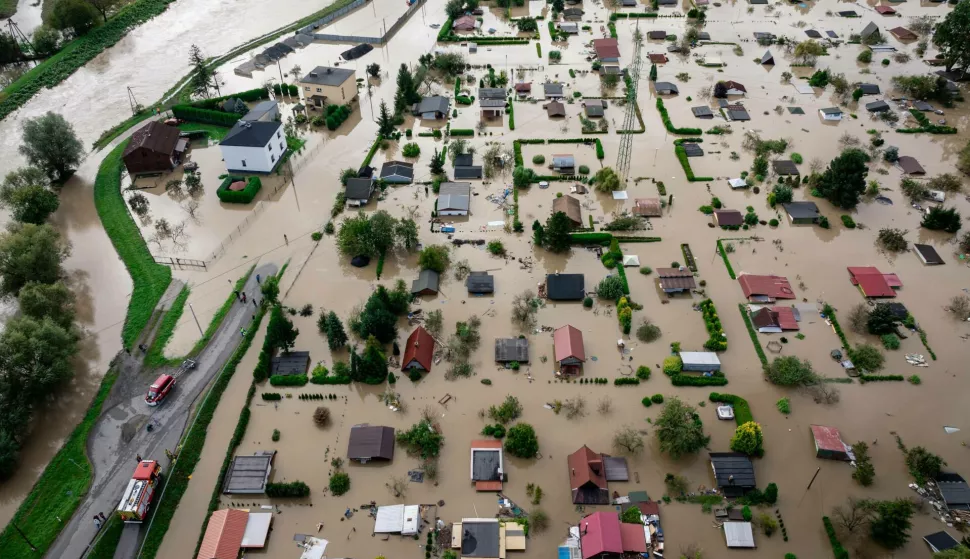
(454, 196)
(491, 93)
(922, 106)
(657, 34)
(703, 36)
(832, 34)
(785, 167)
(479, 539)
(511, 349)
(436, 104)
(464, 160)
(849, 13)
(955, 491)
(813, 34)
(368, 442)
(757, 1)
(569, 27)
(667, 2)
(766, 58)
(261, 110)
(940, 541)
(737, 112)
(251, 134)
(397, 169)
(629, 2)
(572, 12)
(802, 210)
(249, 474)
(877, 106)
(702, 112)
(869, 88)
(733, 469)
(485, 464)
(594, 110)
(292, 363)
(563, 161)
(928, 254)
(666, 87)
(796, 110)
(616, 468)
(427, 280)
(552, 88)
(692, 150)
(565, 287)
(359, 189)
(325, 75)
(468, 172)
(491, 103)
(869, 29)
(910, 165)
(831, 111)
(480, 282)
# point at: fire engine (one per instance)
(140, 491)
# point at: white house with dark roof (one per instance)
(253, 147)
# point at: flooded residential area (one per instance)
(682, 278)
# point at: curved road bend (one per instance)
(121, 432)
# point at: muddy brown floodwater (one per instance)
(813, 259)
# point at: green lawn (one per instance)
(58, 491)
(106, 546)
(155, 357)
(216, 133)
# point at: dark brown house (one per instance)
(155, 148)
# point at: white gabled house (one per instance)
(253, 147)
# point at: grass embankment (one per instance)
(177, 481)
(77, 53)
(155, 356)
(150, 280)
(110, 536)
(58, 491)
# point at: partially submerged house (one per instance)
(702, 112)
(676, 280)
(647, 207)
(326, 85)
(872, 282)
(511, 349)
(955, 492)
(418, 351)
(554, 109)
(154, 148)
(594, 107)
(492, 101)
(432, 108)
(885, 10)
(728, 218)
(564, 163)
(878, 107)
(231, 530)
(940, 541)
(802, 213)
(665, 88)
(903, 34)
(570, 28)
(603, 536)
(569, 206)
(253, 147)
(569, 349)
(735, 112)
(927, 254)
(371, 442)
(829, 444)
(487, 467)
(486, 538)
(397, 172)
(869, 88)
(739, 535)
(265, 111)
(700, 361)
(767, 59)
(772, 320)
(465, 167)
(733, 473)
(765, 289)
(587, 477)
(831, 113)
(572, 14)
(657, 35)
(480, 283)
(248, 475)
(659, 58)
(465, 23)
(734, 88)
(785, 167)
(523, 89)
(910, 165)
(454, 198)
(565, 287)
(870, 30)
(608, 53)
(552, 90)
(398, 519)
(358, 191)
(426, 283)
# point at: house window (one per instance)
(243, 162)
(342, 94)
(272, 158)
(306, 88)
(281, 145)
(269, 147)
(319, 90)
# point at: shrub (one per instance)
(748, 439)
(673, 365)
(837, 549)
(865, 56)
(646, 401)
(646, 270)
(411, 150)
(773, 222)
(796, 158)
(610, 287)
(288, 380)
(914, 379)
(321, 416)
(272, 396)
(287, 489)
(784, 406)
(521, 441)
(588, 302)
(244, 196)
(539, 159)
(657, 398)
(276, 435)
(890, 341)
(848, 221)
(339, 483)
(496, 248)
(643, 372)
(625, 381)
(746, 513)
(583, 170)
(648, 332)
(867, 357)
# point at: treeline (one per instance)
(38, 344)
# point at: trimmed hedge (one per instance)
(685, 162)
(244, 196)
(626, 381)
(754, 335)
(670, 125)
(206, 116)
(837, 549)
(288, 380)
(461, 132)
(717, 340)
(878, 378)
(724, 256)
(632, 15)
(287, 489)
(271, 396)
(742, 412)
(681, 379)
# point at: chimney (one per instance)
(329, 70)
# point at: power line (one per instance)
(630, 117)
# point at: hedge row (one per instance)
(244, 196)
(288, 380)
(205, 116)
(511, 114)
(829, 313)
(878, 378)
(754, 335)
(727, 263)
(559, 178)
(287, 489)
(926, 126)
(605, 238)
(623, 381)
(712, 322)
(742, 412)
(632, 15)
(685, 163)
(461, 132)
(681, 379)
(670, 125)
(837, 549)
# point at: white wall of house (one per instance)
(452, 212)
(255, 159)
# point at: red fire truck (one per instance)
(140, 491)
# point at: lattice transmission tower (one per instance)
(630, 117)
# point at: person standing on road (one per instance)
(244, 297)
(103, 519)
(97, 522)
(257, 278)
(237, 294)
(285, 240)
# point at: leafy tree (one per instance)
(50, 144)
(951, 35)
(75, 16)
(339, 483)
(102, 6)
(382, 231)
(844, 181)
(270, 289)
(25, 193)
(867, 356)
(808, 51)
(748, 439)
(631, 515)
(437, 166)
(913, 190)
(610, 287)
(791, 371)
(607, 180)
(783, 194)
(280, 333)
(374, 71)
(54, 301)
(527, 25)
(558, 5)
(336, 336)
(940, 218)
(890, 527)
(407, 233)
(538, 233)
(522, 177)
(893, 240)
(881, 320)
(627, 440)
(46, 40)
(372, 364)
(378, 318)
(355, 236)
(679, 429)
(455, 8)
(521, 441)
(770, 496)
(30, 253)
(958, 552)
(556, 234)
(864, 471)
(947, 182)
(36, 357)
(720, 90)
(449, 63)
(434, 257)
(422, 439)
(923, 465)
(385, 122)
(203, 77)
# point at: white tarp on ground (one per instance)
(257, 528)
(390, 519)
(496, 224)
(631, 260)
(738, 534)
(738, 183)
(619, 195)
(804, 88)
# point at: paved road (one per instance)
(121, 432)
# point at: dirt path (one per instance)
(121, 433)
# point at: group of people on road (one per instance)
(241, 296)
(99, 520)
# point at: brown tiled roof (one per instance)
(649, 207)
(224, 534)
(157, 137)
(569, 206)
(420, 348)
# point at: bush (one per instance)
(496, 248)
(848, 221)
(288, 380)
(321, 416)
(837, 549)
(890, 341)
(646, 270)
(643, 372)
(746, 513)
(691, 380)
(673, 365)
(521, 441)
(411, 150)
(867, 357)
(657, 398)
(646, 401)
(244, 196)
(288, 489)
(539, 159)
(784, 406)
(773, 222)
(588, 302)
(611, 288)
(276, 435)
(583, 170)
(748, 439)
(272, 396)
(865, 56)
(339, 483)
(625, 381)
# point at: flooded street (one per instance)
(813, 259)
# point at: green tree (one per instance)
(48, 300)
(407, 90)
(50, 144)
(437, 166)
(434, 257)
(808, 51)
(407, 233)
(951, 35)
(103, 6)
(783, 194)
(374, 70)
(867, 357)
(607, 180)
(522, 177)
(372, 364)
(455, 8)
(631, 515)
(336, 336)
(881, 320)
(74, 16)
(385, 122)
(958, 552)
(203, 77)
(791, 371)
(30, 253)
(923, 465)
(538, 234)
(377, 318)
(864, 471)
(942, 219)
(748, 439)
(844, 181)
(382, 231)
(558, 5)
(556, 234)
(339, 483)
(423, 439)
(527, 25)
(679, 429)
(9, 454)
(35, 357)
(610, 287)
(26, 194)
(521, 441)
(46, 40)
(270, 289)
(890, 527)
(355, 236)
(280, 333)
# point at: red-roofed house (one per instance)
(828, 443)
(765, 289)
(874, 283)
(603, 536)
(607, 50)
(523, 89)
(464, 23)
(570, 353)
(774, 319)
(633, 538)
(587, 477)
(418, 351)
(885, 10)
(735, 88)
(224, 534)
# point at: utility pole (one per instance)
(630, 117)
(132, 101)
(199, 326)
(282, 82)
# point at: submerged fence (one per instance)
(388, 33)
